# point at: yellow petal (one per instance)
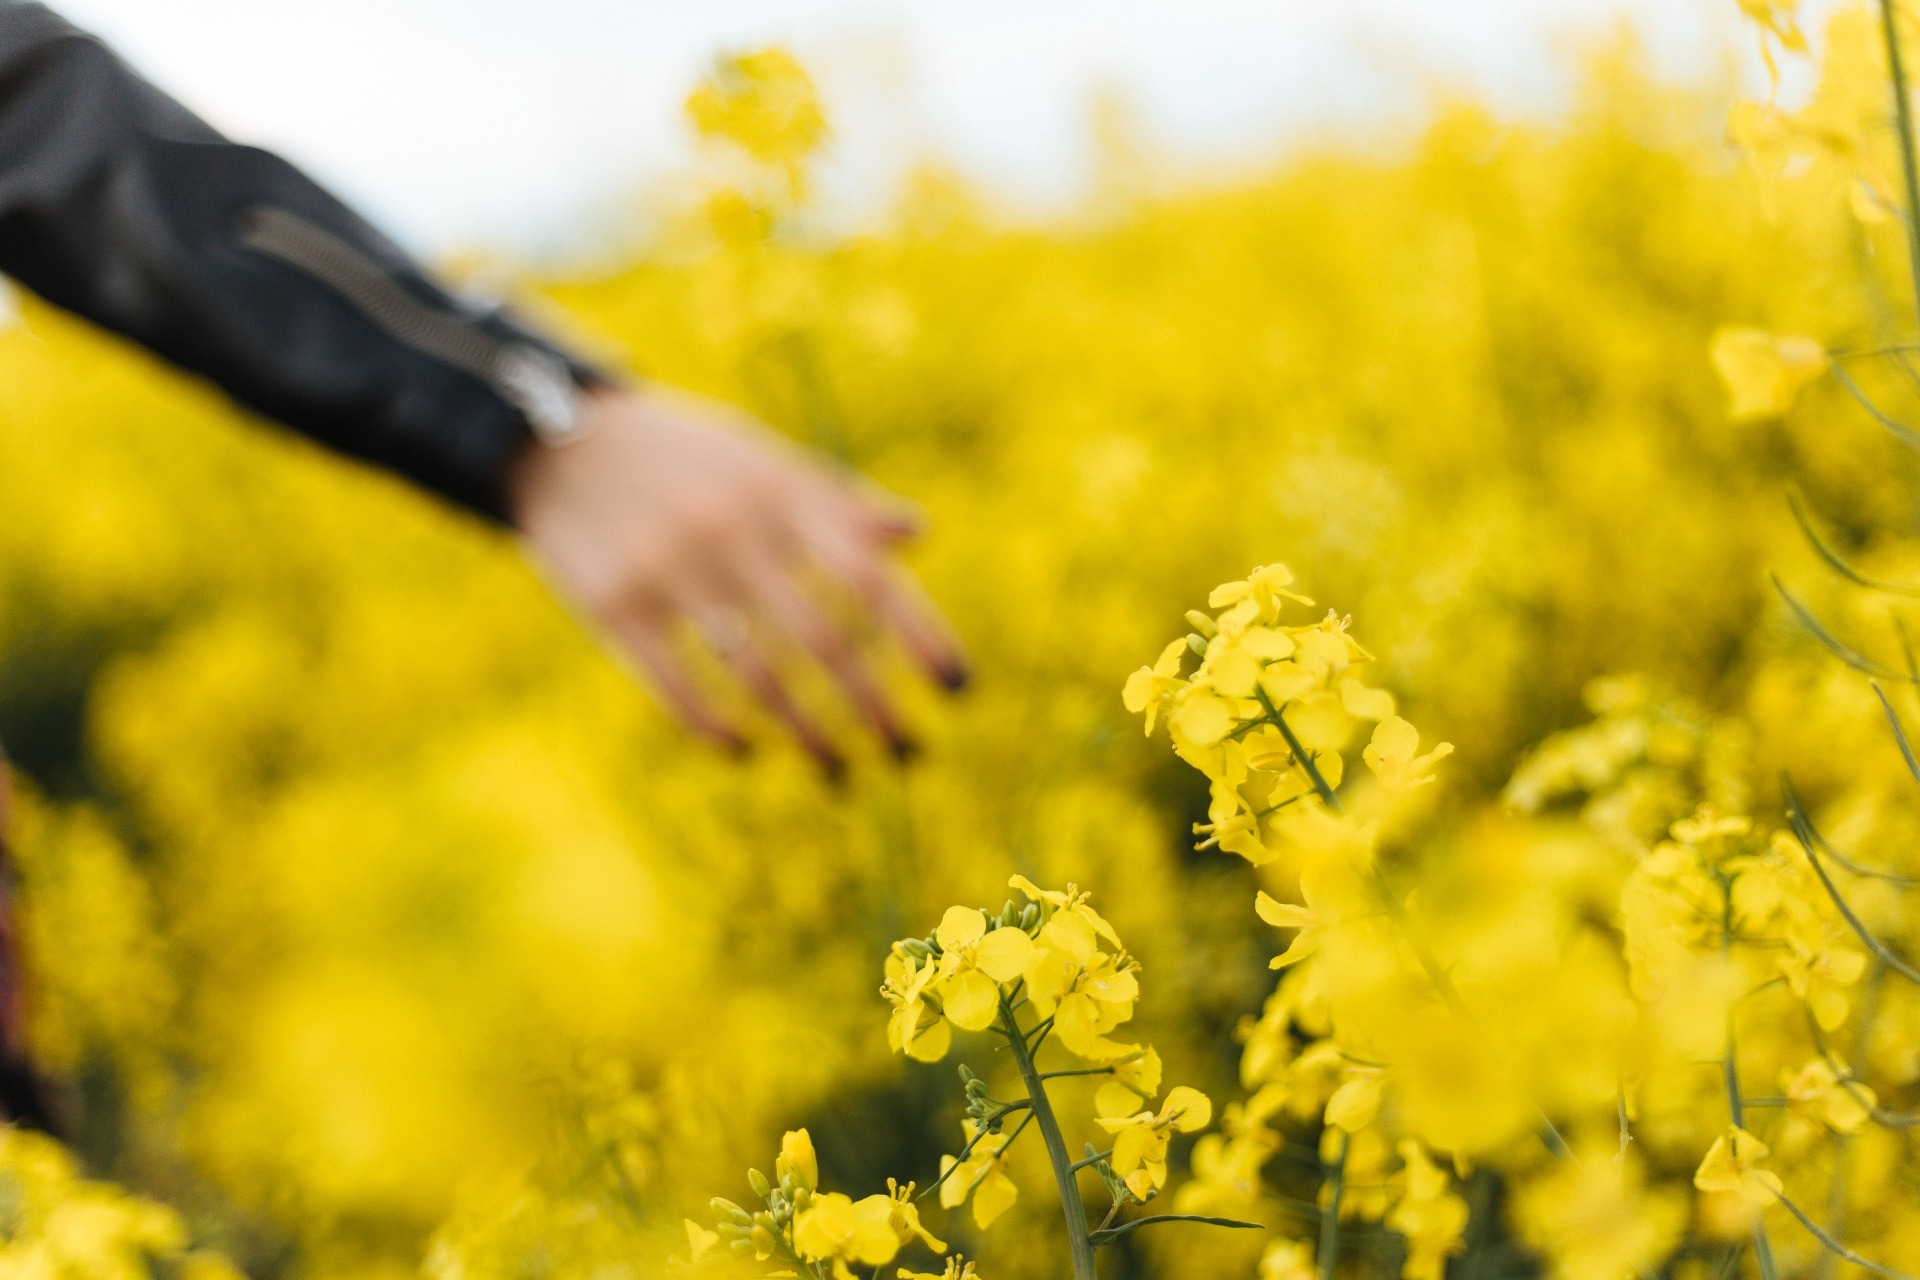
(1115, 1101)
(1074, 1022)
(1188, 1108)
(1202, 720)
(1130, 1148)
(1139, 690)
(1003, 953)
(1285, 681)
(932, 1043)
(994, 1196)
(972, 1000)
(1355, 1103)
(960, 926)
(1365, 703)
(1281, 915)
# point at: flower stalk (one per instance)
(1079, 1239)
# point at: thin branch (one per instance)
(1078, 1071)
(1846, 1254)
(1300, 753)
(1901, 431)
(1839, 648)
(1899, 733)
(1857, 868)
(1110, 1234)
(1093, 1159)
(1909, 162)
(1832, 557)
(1330, 1215)
(1797, 819)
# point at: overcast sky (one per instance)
(519, 124)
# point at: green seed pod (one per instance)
(1197, 643)
(1202, 623)
(758, 1181)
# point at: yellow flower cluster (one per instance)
(823, 1233)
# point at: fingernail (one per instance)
(905, 749)
(736, 746)
(955, 677)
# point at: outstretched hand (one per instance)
(676, 513)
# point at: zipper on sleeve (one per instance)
(532, 380)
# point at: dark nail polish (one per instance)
(833, 767)
(905, 749)
(956, 678)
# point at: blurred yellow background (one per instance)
(376, 915)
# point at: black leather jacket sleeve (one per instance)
(120, 205)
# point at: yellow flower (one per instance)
(1429, 1214)
(1595, 1219)
(975, 961)
(905, 1218)
(1732, 1165)
(1140, 1073)
(954, 1270)
(1356, 1102)
(1149, 688)
(1391, 756)
(700, 1241)
(1141, 1138)
(1288, 1260)
(982, 1175)
(834, 1228)
(1763, 371)
(1844, 1107)
(1267, 587)
(763, 102)
(915, 1028)
(796, 1160)
(1286, 915)
(1821, 978)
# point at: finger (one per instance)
(750, 665)
(788, 607)
(896, 600)
(646, 638)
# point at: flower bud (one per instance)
(763, 1222)
(1197, 643)
(758, 1181)
(727, 1210)
(1202, 623)
(966, 1073)
(801, 1199)
(745, 1247)
(915, 948)
(763, 1243)
(732, 1231)
(1030, 916)
(1008, 914)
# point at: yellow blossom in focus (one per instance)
(974, 963)
(982, 1176)
(1141, 1139)
(1393, 756)
(835, 1228)
(796, 1160)
(915, 1028)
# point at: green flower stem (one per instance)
(1096, 1158)
(1330, 1216)
(977, 1139)
(1903, 113)
(1079, 1241)
(1082, 1071)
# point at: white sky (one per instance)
(520, 124)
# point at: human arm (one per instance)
(119, 204)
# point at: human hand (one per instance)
(678, 512)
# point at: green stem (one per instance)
(1079, 1242)
(1095, 1158)
(1300, 753)
(1330, 1216)
(1903, 112)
